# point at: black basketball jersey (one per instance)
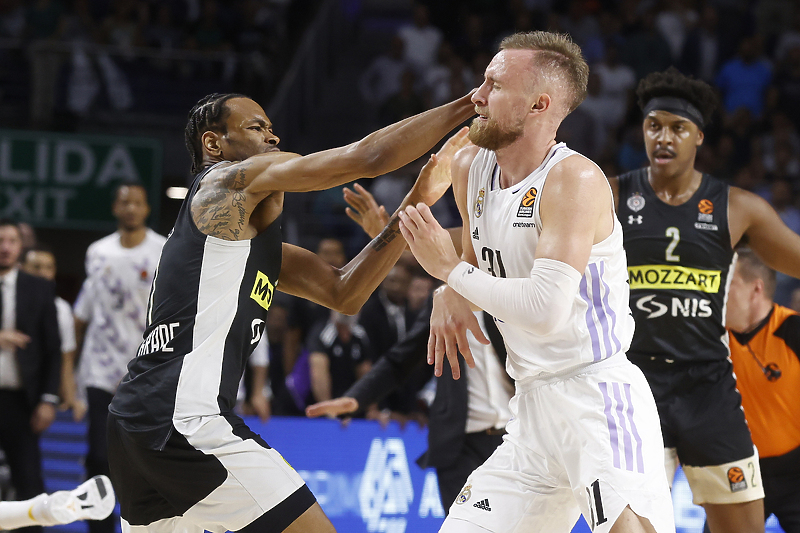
(207, 312)
(679, 267)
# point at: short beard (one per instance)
(490, 136)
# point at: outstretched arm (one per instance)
(305, 275)
(383, 151)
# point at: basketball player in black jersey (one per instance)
(179, 457)
(680, 228)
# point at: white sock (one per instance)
(31, 512)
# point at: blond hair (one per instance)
(558, 60)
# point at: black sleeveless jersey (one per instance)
(679, 268)
(207, 311)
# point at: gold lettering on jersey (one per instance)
(262, 290)
(674, 277)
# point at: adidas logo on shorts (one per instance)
(483, 504)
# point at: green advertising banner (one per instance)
(67, 181)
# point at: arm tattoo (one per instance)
(220, 210)
(389, 233)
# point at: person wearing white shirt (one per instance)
(41, 261)
(110, 316)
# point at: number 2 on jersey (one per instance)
(488, 255)
(675, 233)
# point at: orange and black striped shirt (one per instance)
(771, 403)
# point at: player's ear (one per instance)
(700, 137)
(541, 103)
(210, 141)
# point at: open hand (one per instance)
(365, 211)
(11, 339)
(332, 408)
(450, 319)
(434, 179)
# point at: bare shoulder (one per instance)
(742, 202)
(577, 173)
(463, 160)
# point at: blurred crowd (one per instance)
(749, 50)
(117, 52)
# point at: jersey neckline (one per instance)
(703, 180)
(521, 185)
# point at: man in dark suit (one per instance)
(467, 415)
(30, 363)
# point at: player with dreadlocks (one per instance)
(182, 460)
(680, 229)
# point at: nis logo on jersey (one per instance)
(262, 290)
(673, 277)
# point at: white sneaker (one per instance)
(91, 500)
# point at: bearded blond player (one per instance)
(544, 255)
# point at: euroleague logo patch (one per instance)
(526, 205)
(736, 479)
(706, 208)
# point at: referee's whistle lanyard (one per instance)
(771, 371)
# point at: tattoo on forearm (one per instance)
(219, 209)
(389, 233)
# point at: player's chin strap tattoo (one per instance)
(389, 233)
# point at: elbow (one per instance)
(550, 323)
(368, 157)
(349, 308)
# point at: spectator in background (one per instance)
(785, 91)
(765, 350)
(674, 22)
(700, 55)
(382, 78)
(579, 23)
(290, 333)
(340, 353)
(30, 364)
(40, 261)
(617, 82)
(110, 317)
(384, 315)
(419, 290)
(437, 79)
(406, 103)
(744, 79)
(646, 50)
(421, 40)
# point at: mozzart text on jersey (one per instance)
(674, 277)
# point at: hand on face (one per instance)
(429, 242)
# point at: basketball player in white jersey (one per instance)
(544, 255)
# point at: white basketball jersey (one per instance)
(505, 225)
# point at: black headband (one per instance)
(676, 106)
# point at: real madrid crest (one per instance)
(636, 202)
(479, 203)
(466, 494)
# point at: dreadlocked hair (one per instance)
(208, 114)
(672, 82)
